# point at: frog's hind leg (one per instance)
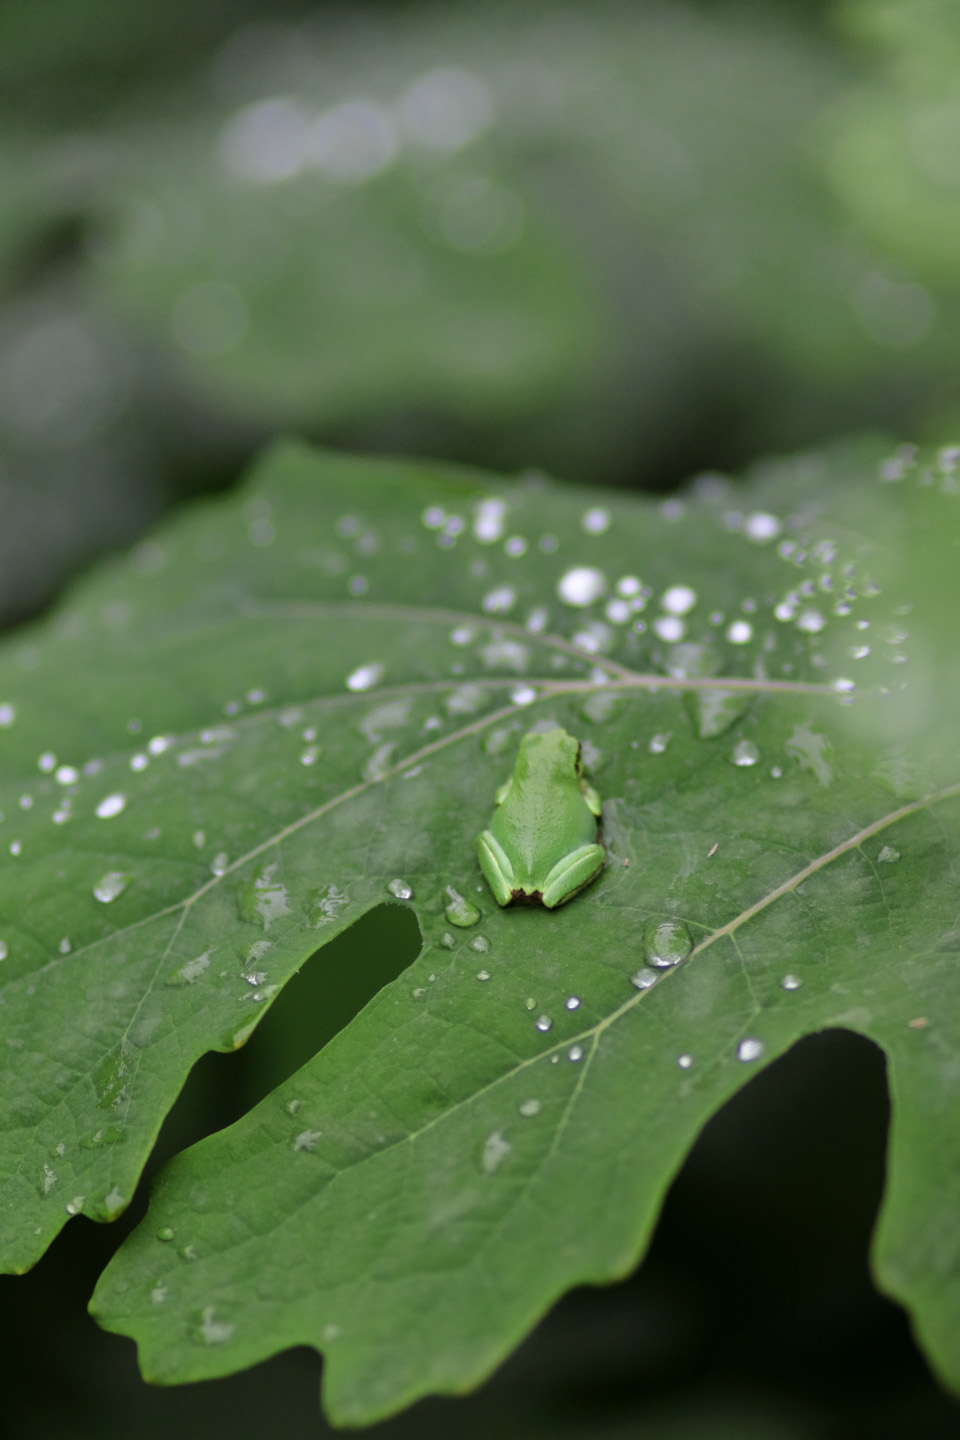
(496, 867)
(571, 874)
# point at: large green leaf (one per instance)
(292, 706)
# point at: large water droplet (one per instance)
(739, 632)
(402, 889)
(581, 586)
(666, 943)
(575, 1053)
(458, 910)
(750, 1049)
(109, 886)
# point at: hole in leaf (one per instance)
(328, 991)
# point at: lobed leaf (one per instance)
(294, 705)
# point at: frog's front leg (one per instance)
(569, 876)
(496, 867)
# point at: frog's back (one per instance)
(545, 814)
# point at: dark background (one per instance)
(622, 243)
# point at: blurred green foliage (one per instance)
(618, 241)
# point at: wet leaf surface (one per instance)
(292, 706)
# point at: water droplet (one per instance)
(15, 847)
(105, 1135)
(47, 761)
(499, 600)
(888, 856)
(575, 1053)
(644, 978)
(111, 805)
(791, 982)
(543, 1023)
(263, 899)
(190, 972)
(402, 889)
(306, 1140)
(811, 621)
(220, 864)
(166, 1232)
(506, 654)
(8, 715)
(380, 763)
(460, 911)
(109, 886)
(666, 943)
(581, 586)
(483, 974)
(595, 521)
(364, 677)
(488, 520)
(3, 950)
(685, 1061)
(670, 628)
(292, 1106)
(495, 1150)
(714, 712)
(310, 755)
(572, 1002)
(761, 527)
(843, 686)
(529, 1108)
(659, 743)
(159, 744)
(74, 1206)
(523, 695)
(678, 600)
(739, 632)
(745, 753)
(188, 1253)
(860, 652)
(750, 1049)
(529, 1003)
(516, 546)
(67, 775)
(212, 1331)
(447, 940)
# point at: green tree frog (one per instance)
(542, 842)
